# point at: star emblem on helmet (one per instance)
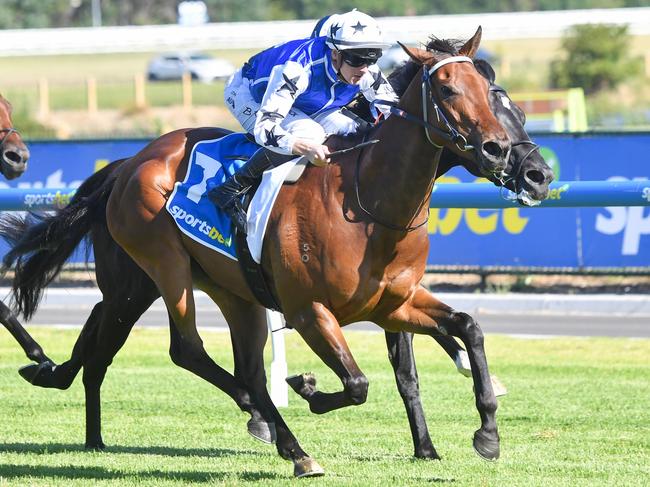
(358, 27)
(334, 28)
(289, 85)
(272, 138)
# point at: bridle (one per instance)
(8, 131)
(513, 177)
(447, 132)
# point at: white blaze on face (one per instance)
(505, 101)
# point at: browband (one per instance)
(452, 59)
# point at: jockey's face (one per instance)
(351, 74)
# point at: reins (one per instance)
(375, 219)
(449, 134)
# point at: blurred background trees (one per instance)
(595, 57)
(18, 14)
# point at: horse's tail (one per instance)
(40, 244)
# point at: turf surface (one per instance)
(577, 413)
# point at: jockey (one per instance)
(290, 98)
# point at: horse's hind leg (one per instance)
(425, 314)
(175, 284)
(114, 325)
(249, 333)
(400, 353)
(61, 376)
(258, 427)
(32, 349)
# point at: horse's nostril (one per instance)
(12, 156)
(493, 149)
(535, 176)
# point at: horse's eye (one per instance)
(446, 91)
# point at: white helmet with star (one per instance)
(354, 30)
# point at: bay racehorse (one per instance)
(234, 302)
(125, 287)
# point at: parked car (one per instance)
(202, 67)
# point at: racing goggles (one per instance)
(360, 57)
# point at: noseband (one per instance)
(8, 131)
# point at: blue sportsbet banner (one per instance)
(549, 237)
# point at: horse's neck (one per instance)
(396, 174)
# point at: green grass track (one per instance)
(577, 414)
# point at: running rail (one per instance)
(563, 194)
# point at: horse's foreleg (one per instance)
(426, 315)
(32, 349)
(321, 331)
(400, 353)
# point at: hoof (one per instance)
(36, 373)
(95, 445)
(487, 449)
(263, 431)
(498, 387)
(303, 384)
(307, 467)
(427, 455)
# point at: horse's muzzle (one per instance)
(14, 161)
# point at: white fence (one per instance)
(516, 25)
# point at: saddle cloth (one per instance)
(211, 162)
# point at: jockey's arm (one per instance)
(285, 84)
(375, 86)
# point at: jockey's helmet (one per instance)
(357, 36)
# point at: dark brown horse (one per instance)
(532, 174)
(366, 255)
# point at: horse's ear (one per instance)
(420, 56)
(471, 46)
(486, 69)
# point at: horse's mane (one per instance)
(402, 76)
(400, 79)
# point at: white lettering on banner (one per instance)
(54, 180)
(646, 194)
(210, 167)
(629, 220)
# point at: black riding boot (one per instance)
(227, 195)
